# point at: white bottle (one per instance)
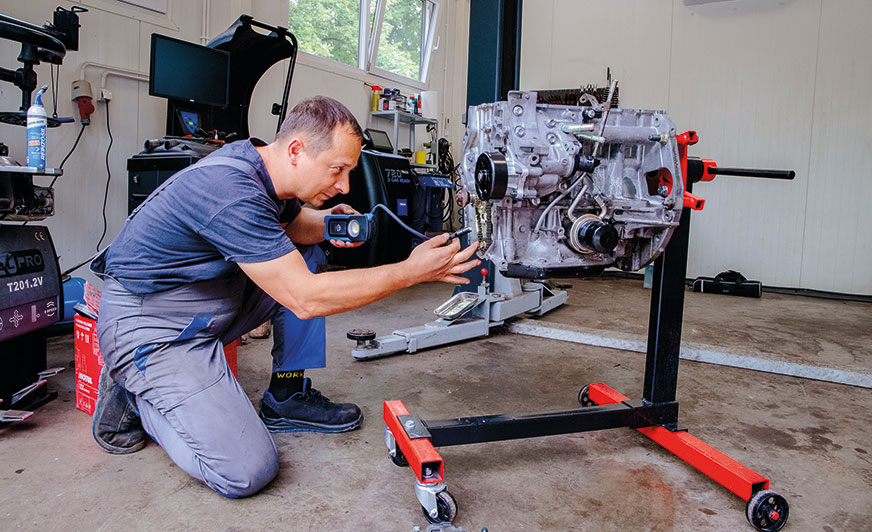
(36, 125)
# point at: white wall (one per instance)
(118, 34)
(766, 84)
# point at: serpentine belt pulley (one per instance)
(491, 176)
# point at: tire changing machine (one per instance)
(412, 442)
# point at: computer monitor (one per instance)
(186, 71)
(380, 140)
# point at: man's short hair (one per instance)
(317, 118)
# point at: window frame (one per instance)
(367, 44)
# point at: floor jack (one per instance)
(464, 316)
(412, 442)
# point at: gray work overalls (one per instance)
(166, 348)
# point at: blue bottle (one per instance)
(36, 125)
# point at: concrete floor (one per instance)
(812, 439)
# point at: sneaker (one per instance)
(308, 410)
(116, 426)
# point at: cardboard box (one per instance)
(89, 362)
(230, 355)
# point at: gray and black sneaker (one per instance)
(308, 410)
(116, 426)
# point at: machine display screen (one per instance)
(186, 71)
(380, 141)
(190, 121)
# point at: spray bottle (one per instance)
(36, 125)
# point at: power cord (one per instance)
(414, 232)
(446, 166)
(395, 217)
(108, 178)
(77, 266)
(61, 166)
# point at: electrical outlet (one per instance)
(105, 94)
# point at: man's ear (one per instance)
(295, 149)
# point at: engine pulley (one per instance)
(491, 176)
(588, 234)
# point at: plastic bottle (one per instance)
(36, 125)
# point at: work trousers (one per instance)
(166, 349)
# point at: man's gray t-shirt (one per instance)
(200, 223)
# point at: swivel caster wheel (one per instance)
(584, 397)
(398, 458)
(767, 511)
(446, 509)
(363, 337)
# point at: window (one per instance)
(385, 37)
(327, 28)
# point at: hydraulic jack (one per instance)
(412, 441)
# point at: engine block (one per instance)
(567, 191)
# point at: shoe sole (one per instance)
(297, 425)
(115, 449)
(108, 447)
(112, 449)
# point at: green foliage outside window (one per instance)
(326, 28)
(329, 28)
(399, 49)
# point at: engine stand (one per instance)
(412, 441)
(464, 316)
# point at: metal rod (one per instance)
(606, 108)
(291, 64)
(462, 431)
(752, 172)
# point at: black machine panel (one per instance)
(147, 171)
(379, 178)
(29, 280)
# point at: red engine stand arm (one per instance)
(419, 452)
(719, 467)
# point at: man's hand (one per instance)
(344, 209)
(438, 260)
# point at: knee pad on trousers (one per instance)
(252, 474)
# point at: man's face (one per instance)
(326, 174)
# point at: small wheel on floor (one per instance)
(584, 397)
(399, 458)
(446, 508)
(767, 511)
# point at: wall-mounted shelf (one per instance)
(411, 120)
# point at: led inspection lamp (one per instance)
(348, 227)
(360, 227)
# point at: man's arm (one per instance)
(288, 280)
(307, 227)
